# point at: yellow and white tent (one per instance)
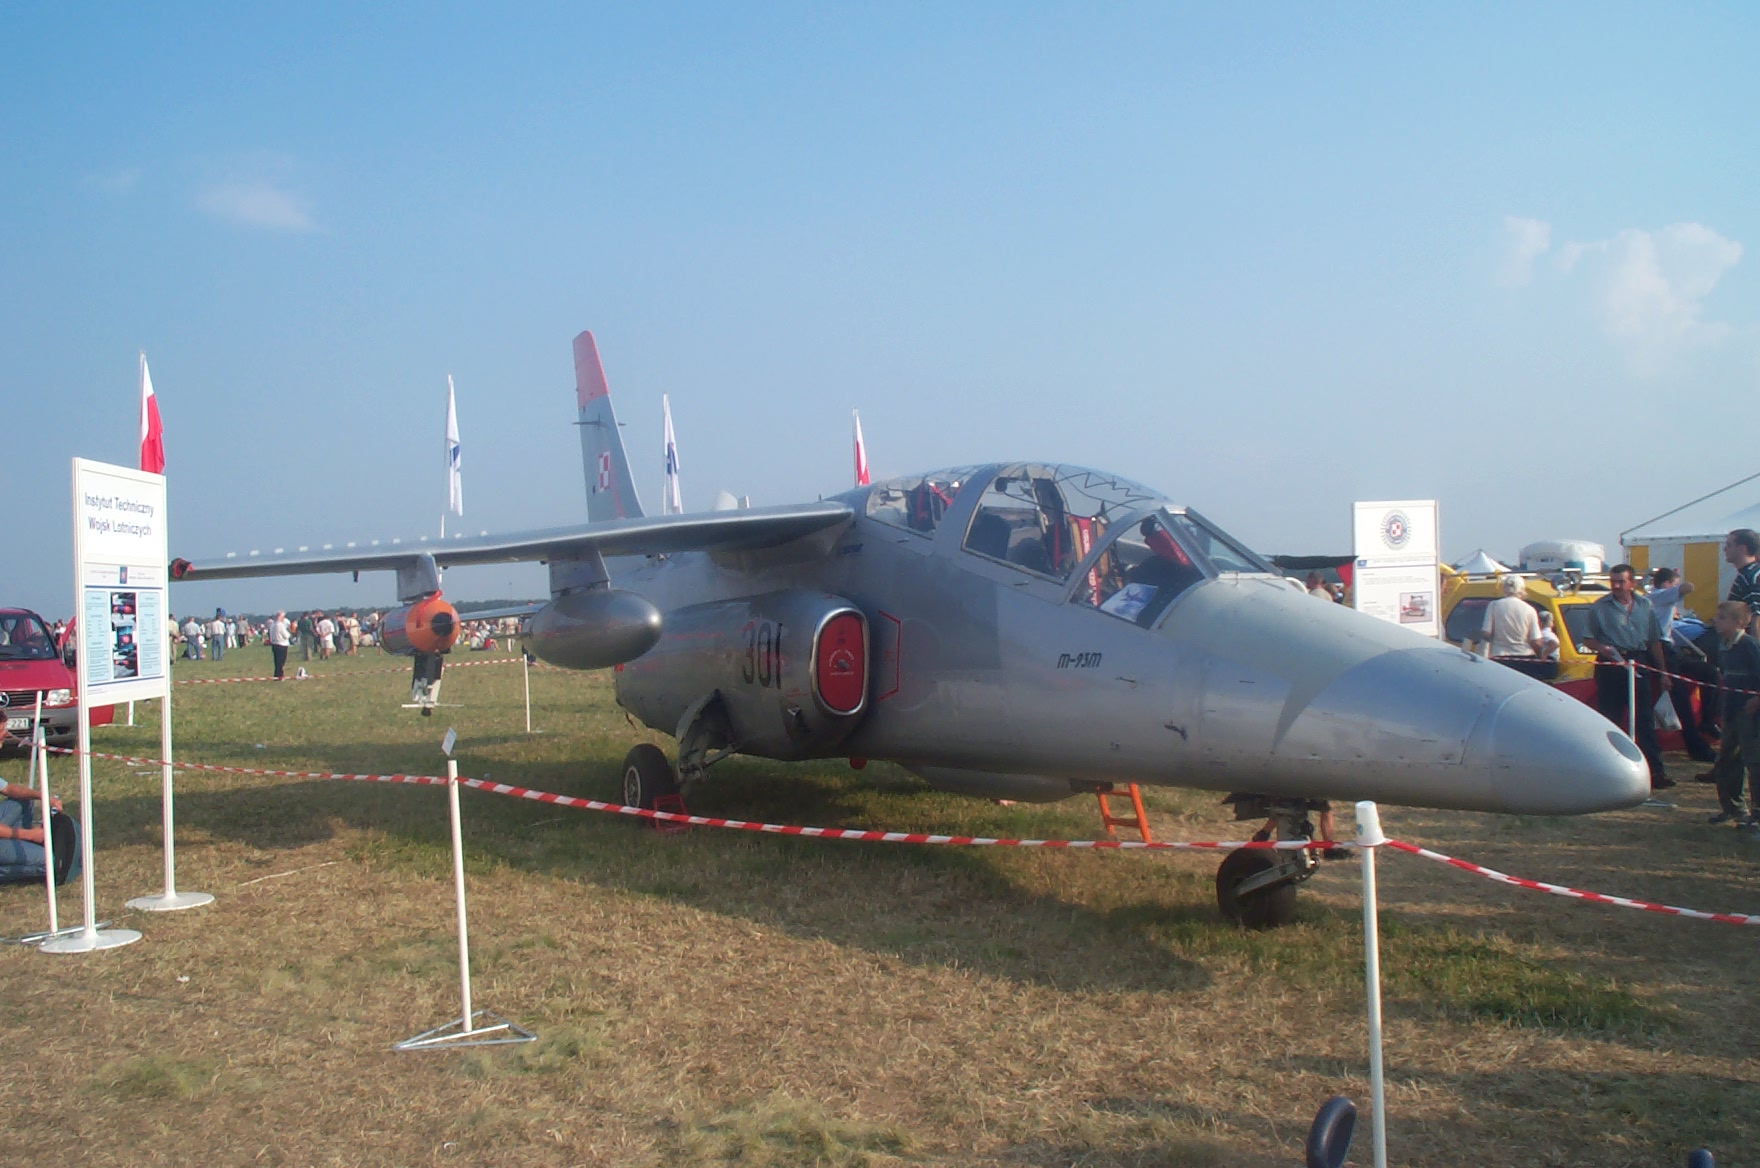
(1690, 538)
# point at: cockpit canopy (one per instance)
(1140, 551)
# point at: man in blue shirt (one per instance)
(1623, 627)
(1667, 590)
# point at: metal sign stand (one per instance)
(473, 1027)
(170, 900)
(1369, 838)
(89, 937)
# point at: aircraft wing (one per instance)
(716, 531)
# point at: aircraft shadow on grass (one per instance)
(929, 906)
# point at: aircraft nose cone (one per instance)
(1552, 755)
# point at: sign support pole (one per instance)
(170, 900)
(90, 937)
(525, 662)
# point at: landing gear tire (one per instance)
(1264, 907)
(647, 776)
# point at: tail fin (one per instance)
(611, 490)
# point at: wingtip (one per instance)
(589, 374)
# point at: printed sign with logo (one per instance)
(1395, 576)
(119, 555)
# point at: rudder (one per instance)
(611, 489)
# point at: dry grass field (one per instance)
(722, 998)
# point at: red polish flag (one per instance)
(861, 451)
(152, 433)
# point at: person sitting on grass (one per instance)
(1740, 659)
(21, 837)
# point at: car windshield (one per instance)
(23, 638)
(1576, 622)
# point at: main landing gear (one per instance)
(705, 737)
(1256, 887)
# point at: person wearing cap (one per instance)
(1622, 627)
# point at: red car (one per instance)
(32, 662)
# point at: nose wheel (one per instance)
(1256, 887)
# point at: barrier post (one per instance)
(40, 760)
(1369, 838)
(525, 662)
(170, 900)
(1632, 700)
(496, 1030)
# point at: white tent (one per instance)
(1480, 564)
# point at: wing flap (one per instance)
(718, 531)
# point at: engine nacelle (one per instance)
(594, 629)
(430, 625)
(791, 669)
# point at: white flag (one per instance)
(671, 501)
(454, 479)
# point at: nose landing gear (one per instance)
(1257, 887)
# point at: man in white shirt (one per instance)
(280, 637)
(326, 637)
(217, 634)
(1511, 625)
(192, 639)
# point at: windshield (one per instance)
(23, 638)
(917, 502)
(1576, 622)
(1222, 551)
(1143, 571)
(1045, 518)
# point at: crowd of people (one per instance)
(1677, 657)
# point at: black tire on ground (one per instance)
(647, 776)
(1262, 908)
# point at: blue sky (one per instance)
(1268, 258)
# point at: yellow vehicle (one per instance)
(1464, 599)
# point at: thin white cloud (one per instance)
(1524, 241)
(117, 182)
(1650, 289)
(256, 203)
(1647, 289)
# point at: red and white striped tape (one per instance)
(450, 666)
(1575, 893)
(838, 833)
(912, 837)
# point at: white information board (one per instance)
(120, 557)
(1395, 575)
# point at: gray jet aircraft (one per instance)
(1024, 631)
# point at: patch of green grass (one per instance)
(1481, 976)
(157, 1076)
(780, 1131)
(559, 1050)
(1445, 971)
